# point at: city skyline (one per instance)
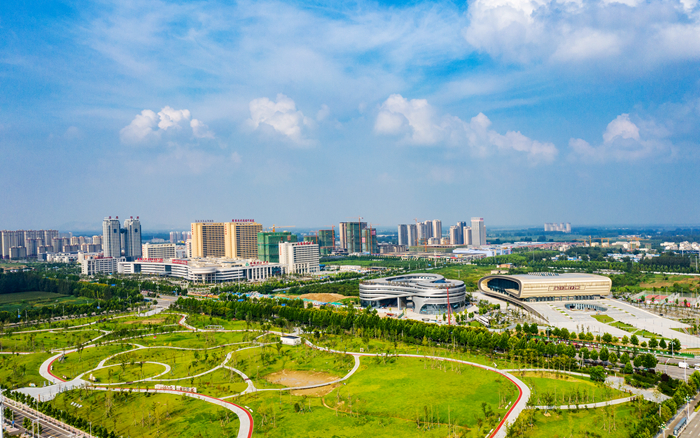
(431, 109)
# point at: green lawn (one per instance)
(219, 383)
(409, 387)
(183, 363)
(202, 321)
(44, 341)
(622, 326)
(78, 363)
(197, 340)
(127, 373)
(19, 301)
(606, 319)
(18, 371)
(275, 417)
(567, 389)
(609, 422)
(142, 415)
(28, 297)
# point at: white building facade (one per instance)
(299, 257)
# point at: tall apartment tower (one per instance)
(403, 234)
(132, 238)
(351, 236)
(111, 238)
(437, 228)
(467, 235)
(208, 239)
(478, 231)
(241, 238)
(455, 235)
(412, 235)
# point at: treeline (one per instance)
(59, 414)
(669, 260)
(345, 288)
(108, 298)
(271, 285)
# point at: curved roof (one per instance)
(547, 284)
(417, 280)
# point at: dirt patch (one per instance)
(147, 322)
(326, 298)
(291, 378)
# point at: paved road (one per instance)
(50, 428)
(692, 430)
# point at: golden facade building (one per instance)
(237, 239)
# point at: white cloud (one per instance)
(200, 130)
(418, 123)
(623, 140)
(171, 117)
(149, 126)
(281, 115)
(140, 128)
(564, 31)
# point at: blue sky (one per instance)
(518, 111)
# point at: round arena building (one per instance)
(421, 293)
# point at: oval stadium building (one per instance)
(545, 286)
(421, 293)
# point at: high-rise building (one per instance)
(174, 236)
(403, 234)
(478, 231)
(437, 228)
(467, 236)
(455, 235)
(132, 240)
(9, 239)
(268, 244)
(299, 257)
(111, 238)
(326, 241)
(351, 236)
(425, 232)
(97, 240)
(237, 239)
(369, 241)
(241, 238)
(412, 235)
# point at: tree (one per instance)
(625, 358)
(604, 354)
(607, 338)
(625, 340)
(628, 368)
(653, 343)
(634, 340)
(594, 354)
(650, 361)
(597, 374)
(662, 343)
(613, 358)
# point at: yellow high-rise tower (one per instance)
(237, 239)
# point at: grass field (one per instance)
(183, 363)
(605, 319)
(275, 416)
(202, 321)
(77, 363)
(623, 326)
(44, 341)
(609, 422)
(148, 415)
(21, 300)
(197, 340)
(566, 389)
(127, 373)
(219, 383)
(20, 370)
(409, 388)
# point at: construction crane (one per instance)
(274, 227)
